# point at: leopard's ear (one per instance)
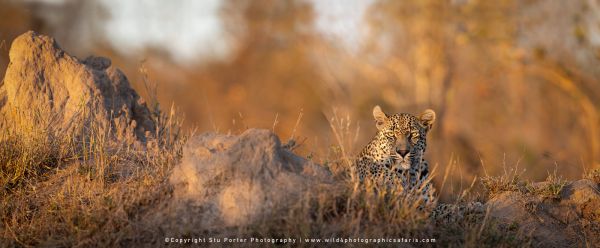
(427, 118)
(380, 117)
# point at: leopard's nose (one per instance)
(401, 152)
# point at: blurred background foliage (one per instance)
(513, 82)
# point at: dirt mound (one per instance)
(571, 217)
(44, 79)
(238, 180)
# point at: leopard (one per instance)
(396, 153)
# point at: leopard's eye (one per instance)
(390, 135)
(414, 136)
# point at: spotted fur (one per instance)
(382, 160)
(452, 213)
(396, 153)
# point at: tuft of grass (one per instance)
(497, 184)
(510, 180)
(550, 188)
(85, 184)
(593, 175)
(29, 146)
(346, 136)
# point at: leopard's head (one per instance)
(406, 134)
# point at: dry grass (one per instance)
(550, 188)
(95, 190)
(593, 175)
(84, 186)
(29, 147)
(350, 209)
(510, 180)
